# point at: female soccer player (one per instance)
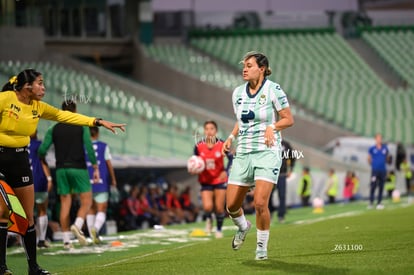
(213, 179)
(256, 104)
(42, 180)
(20, 110)
(96, 217)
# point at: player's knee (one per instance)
(208, 208)
(260, 206)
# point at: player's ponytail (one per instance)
(16, 83)
(268, 71)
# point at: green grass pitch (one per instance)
(344, 239)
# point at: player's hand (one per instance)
(96, 176)
(49, 185)
(226, 146)
(269, 136)
(223, 176)
(113, 126)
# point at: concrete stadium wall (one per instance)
(192, 90)
(21, 43)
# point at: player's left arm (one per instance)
(108, 161)
(91, 153)
(48, 175)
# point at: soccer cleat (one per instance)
(369, 206)
(95, 237)
(5, 271)
(67, 246)
(380, 206)
(219, 235)
(240, 236)
(36, 270)
(43, 244)
(261, 255)
(79, 235)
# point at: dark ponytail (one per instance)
(16, 83)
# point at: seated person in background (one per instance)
(188, 206)
(172, 202)
(156, 203)
(131, 209)
(145, 212)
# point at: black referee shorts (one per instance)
(15, 166)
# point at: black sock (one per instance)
(3, 242)
(207, 215)
(220, 220)
(29, 241)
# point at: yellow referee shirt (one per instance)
(18, 121)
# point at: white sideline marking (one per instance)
(146, 255)
(346, 214)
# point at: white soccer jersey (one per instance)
(255, 112)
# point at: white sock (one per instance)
(262, 239)
(90, 221)
(66, 236)
(240, 222)
(100, 220)
(42, 221)
(79, 222)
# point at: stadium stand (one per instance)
(155, 131)
(395, 47)
(318, 69)
(190, 62)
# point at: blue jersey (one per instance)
(39, 177)
(378, 158)
(102, 155)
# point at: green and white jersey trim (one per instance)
(255, 112)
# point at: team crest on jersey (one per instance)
(218, 154)
(262, 99)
